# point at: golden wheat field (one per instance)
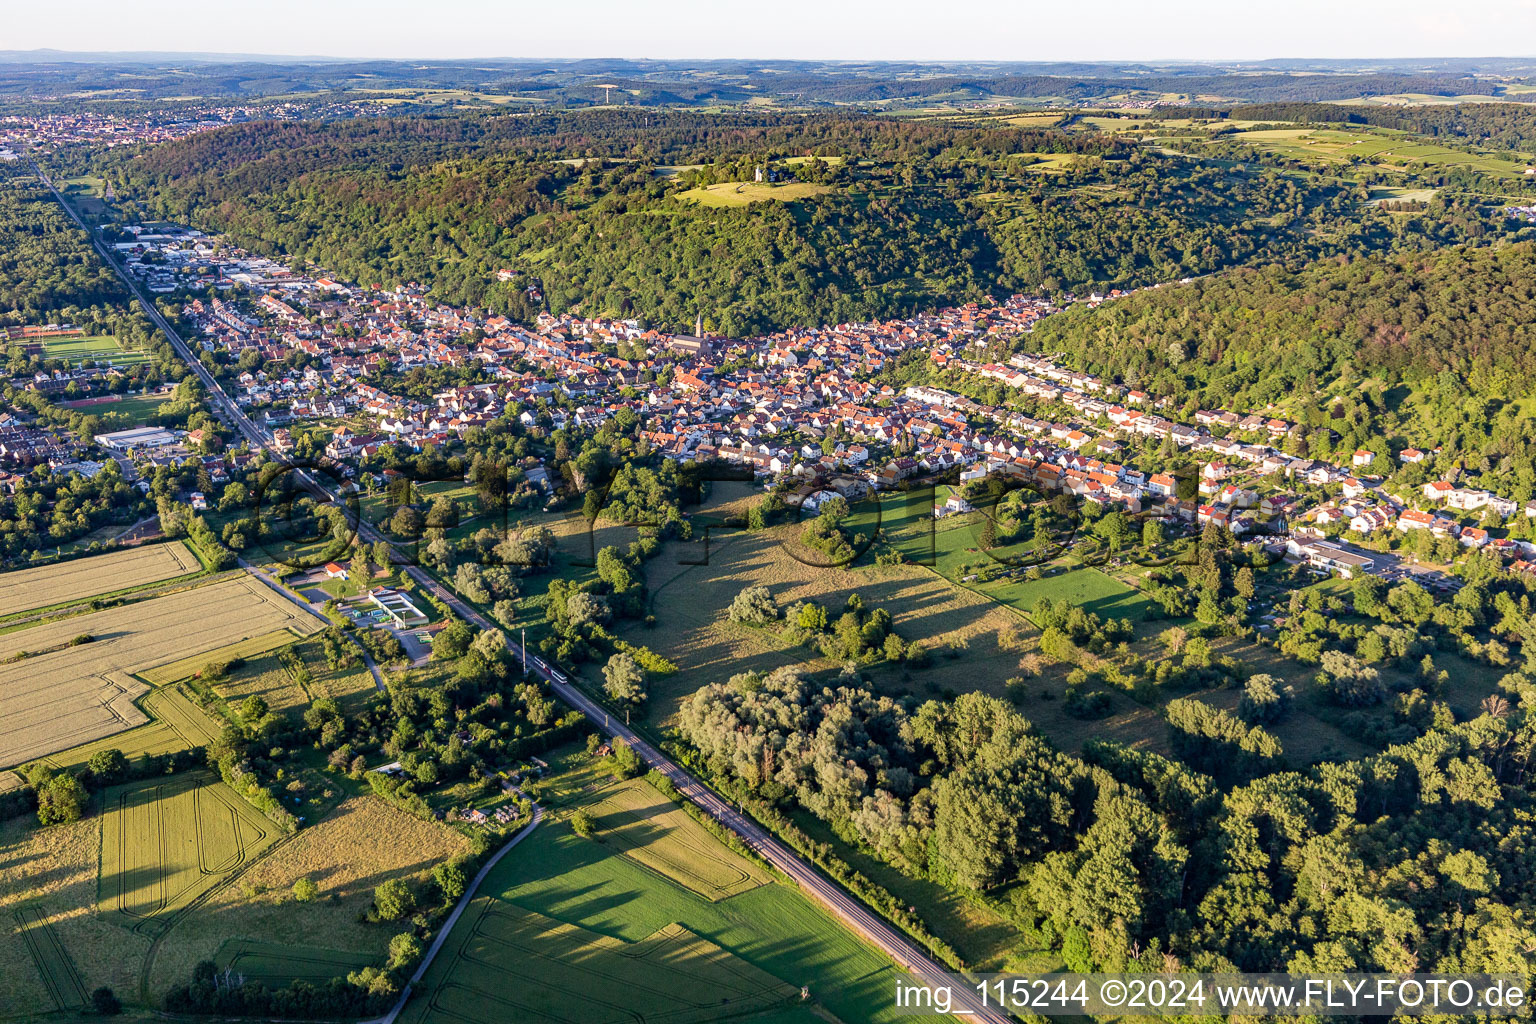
(259, 905)
(62, 695)
(49, 585)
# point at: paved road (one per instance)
(453, 918)
(853, 913)
(859, 918)
(318, 611)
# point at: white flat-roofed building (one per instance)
(138, 437)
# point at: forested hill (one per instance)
(1252, 337)
(892, 216)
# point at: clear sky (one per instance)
(829, 29)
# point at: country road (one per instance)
(319, 612)
(453, 918)
(853, 913)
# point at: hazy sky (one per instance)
(893, 29)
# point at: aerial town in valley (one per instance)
(805, 409)
(777, 542)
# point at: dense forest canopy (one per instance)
(1414, 859)
(1253, 337)
(602, 208)
(46, 262)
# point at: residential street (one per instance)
(853, 913)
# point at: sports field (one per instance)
(24, 589)
(98, 348)
(166, 843)
(638, 822)
(743, 193)
(62, 694)
(121, 410)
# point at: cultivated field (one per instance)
(637, 821)
(744, 193)
(54, 965)
(49, 876)
(166, 843)
(514, 964)
(48, 585)
(62, 695)
(186, 668)
(176, 723)
(346, 853)
(599, 907)
(279, 964)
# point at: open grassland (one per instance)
(49, 585)
(1379, 146)
(48, 880)
(1050, 162)
(638, 822)
(598, 908)
(242, 650)
(274, 677)
(1387, 194)
(744, 193)
(952, 548)
(72, 694)
(690, 603)
(347, 853)
(691, 586)
(164, 844)
(514, 964)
